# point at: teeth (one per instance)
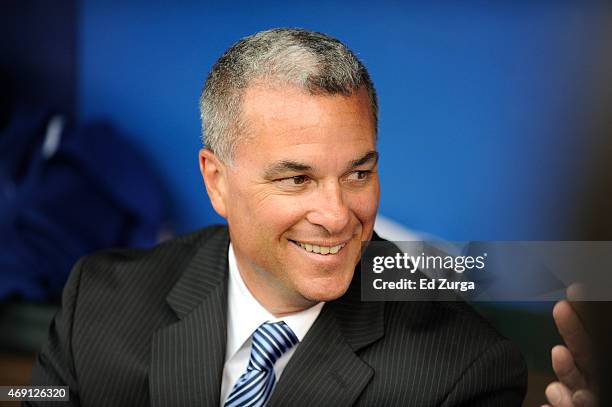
(321, 249)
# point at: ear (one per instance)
(214, 175)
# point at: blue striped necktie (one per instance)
(254, 387)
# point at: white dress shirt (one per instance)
(244, 315)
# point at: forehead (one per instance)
(287, 121)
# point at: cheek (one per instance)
(365, 205)
(263, 213)
(280, 213)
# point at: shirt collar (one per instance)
(245, 313)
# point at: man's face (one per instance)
(304, 181)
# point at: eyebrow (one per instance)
(365, 159)
(283, 166)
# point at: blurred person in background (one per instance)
(67, 188)
(583, 363)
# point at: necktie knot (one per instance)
(270, 342)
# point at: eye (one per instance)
(296, 180)
(299, 179)
(361, 175)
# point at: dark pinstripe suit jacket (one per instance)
(147, 327)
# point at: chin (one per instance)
(326, 292)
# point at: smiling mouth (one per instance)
(322, 250)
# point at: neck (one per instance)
(272, 295)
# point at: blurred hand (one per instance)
(572, 363)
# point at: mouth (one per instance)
(318, 249)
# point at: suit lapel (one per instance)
(325, 369)
(188, 356)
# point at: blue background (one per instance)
(482, 108)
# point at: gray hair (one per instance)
(312, 61)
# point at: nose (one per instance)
(329, 209)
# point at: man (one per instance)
(267, 310)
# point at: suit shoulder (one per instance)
(116, 271)
(441, 315)
(454, 323)
(134, 259)
(436, 344)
